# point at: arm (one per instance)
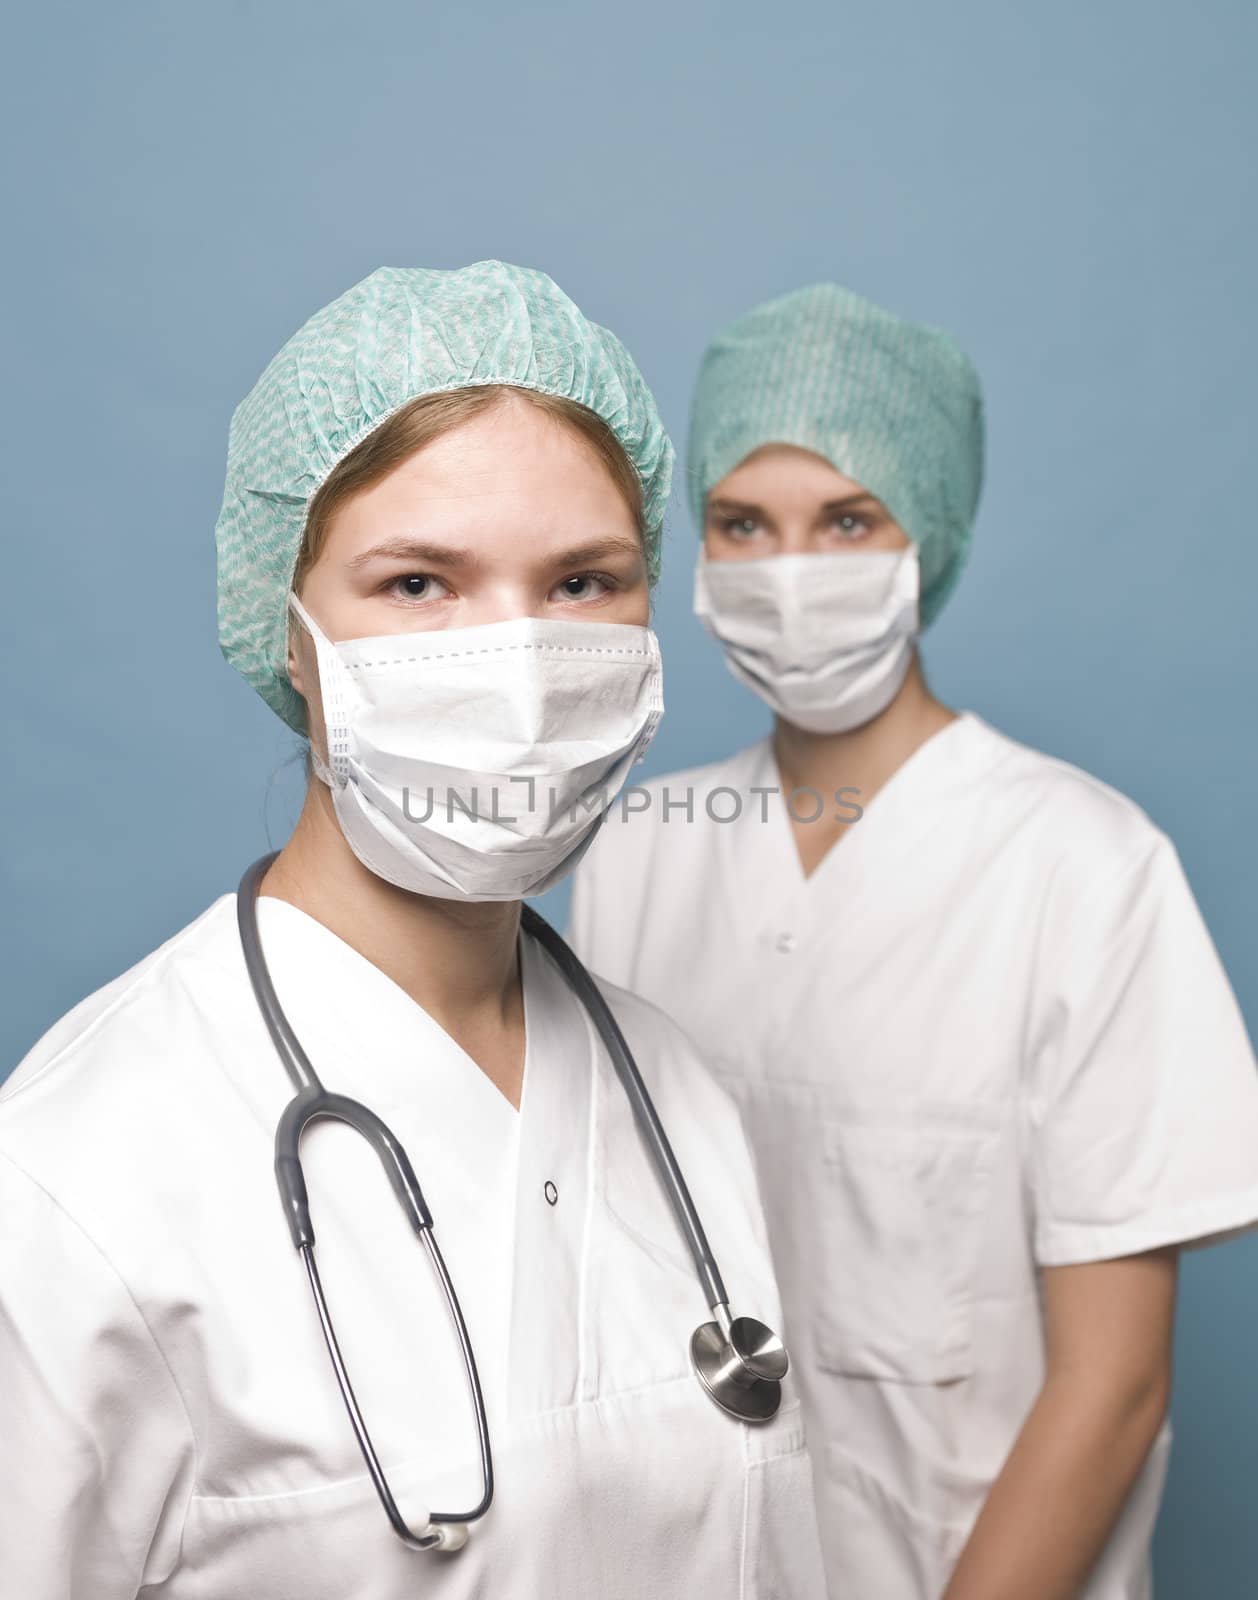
(1109, 1328)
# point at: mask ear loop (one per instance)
(334, 689)
(909, 589)
(655, 713)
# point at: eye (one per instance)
(739, 527)
(851, 526)
(583, 586)
(418, 586)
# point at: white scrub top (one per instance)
(989, 1034)
(169, 1421)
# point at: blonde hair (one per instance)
(426, 418)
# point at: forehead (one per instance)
(513, 468)
(786, 475)
(511, 445)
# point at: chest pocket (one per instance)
(904, 1195)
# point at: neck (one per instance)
(457, 959)
(867, 757)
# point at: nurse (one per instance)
(989, 1062)
(440, 527)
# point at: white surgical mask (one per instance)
(477, 763)
(826, 640)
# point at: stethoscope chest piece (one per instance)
(742, 1368)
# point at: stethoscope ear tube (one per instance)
(306, 1106)
(443, 1530)
(287, 1045)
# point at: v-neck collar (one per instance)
(910, 805)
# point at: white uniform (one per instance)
(988, 1034)
(169, 1420)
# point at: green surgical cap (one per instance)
(400, 333)
(894, 406)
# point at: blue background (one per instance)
(1069, 188)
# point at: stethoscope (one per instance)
(738, 1360)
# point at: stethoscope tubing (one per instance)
(311, 1102)
(649, 1124)
(740, 1363)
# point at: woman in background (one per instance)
(992, 1070)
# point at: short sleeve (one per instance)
(1143, 1096)
(96, 1457)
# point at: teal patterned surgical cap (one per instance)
(894, 406)
(400, 333)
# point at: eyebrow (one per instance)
(743, 508)
(440, 555)
(852, 501)
(584, 555)
(436, 555)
